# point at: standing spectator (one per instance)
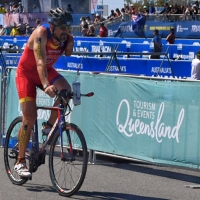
(84, 26)
(97, 19)
(195, 72)
(125, 16)
(171, 37)
(194, 12)
(35, 9)
(37, 22)
(103, 31)
(157, 41)
(118, 13)
(7, 7)
(28, 30)
(132, 10)
(20, 8)
(88, 20)
(2, 9)
(15, 30)
(91, 31)
(14, 8)
(112, 15)
(152, 9)
(2, 30)
(69, 9)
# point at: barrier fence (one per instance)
(132, 54)
(154, 120)
(147, 118)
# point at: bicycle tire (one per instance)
(11, 159)
(65, 183)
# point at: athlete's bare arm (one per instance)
(70, 45)
(38, 43)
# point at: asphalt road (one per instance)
(108, 179)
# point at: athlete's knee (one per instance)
(29, 120)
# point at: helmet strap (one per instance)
(54, 36)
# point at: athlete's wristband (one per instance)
(45, 86)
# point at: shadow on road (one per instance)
(39, 188)
(154, 170)
(110, 196)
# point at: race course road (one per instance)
(108, 179)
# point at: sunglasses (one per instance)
(64, 27)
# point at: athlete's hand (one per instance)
(50, 90)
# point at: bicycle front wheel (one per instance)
(68, 171)
(11, 151)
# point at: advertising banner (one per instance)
(151, 120)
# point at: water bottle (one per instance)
(76, 93)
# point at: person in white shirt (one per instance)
(195, 72)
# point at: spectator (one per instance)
(37, 22)
(7, 7)
(103, 31)
(188, 12)
(84, 26)
(127, 9)
(35, 9)
(97, 19)
(88, 20)
(195, 72)
(166, 10)
(132, 10)
(194, 12)
(15, 30)
(157, 41)
(2, 30)
(118, 13)
(69, 9)
(28, 30)
(125, 16)
(2, 9)
(7, 30)
(171, 37)
(91, 31)
(14, 8)
(112, 15)
(152, 9)
(20, 8)
(175, 11)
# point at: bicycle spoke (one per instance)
(68, 174)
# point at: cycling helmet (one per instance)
(59, 17)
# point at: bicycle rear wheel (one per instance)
(11, 152)
(68, 172)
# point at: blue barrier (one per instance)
(135, 66)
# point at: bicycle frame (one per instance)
(60, 123)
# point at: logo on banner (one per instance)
(143, 120)
(195, 28)
(180, 29)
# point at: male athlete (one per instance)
(44, 47)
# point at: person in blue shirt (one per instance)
(152, 9)
(157, 40)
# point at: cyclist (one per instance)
(45, 45)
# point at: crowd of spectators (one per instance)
(88, 25)
(19, 29)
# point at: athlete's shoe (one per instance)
(22, 170)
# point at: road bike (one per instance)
(68, 155)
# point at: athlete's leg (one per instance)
(29, 115)
(60, 83)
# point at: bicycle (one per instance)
(68, 156)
